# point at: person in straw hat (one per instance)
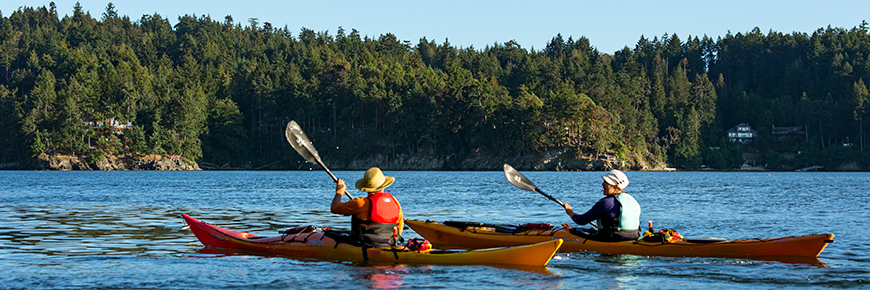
(377, 218)
(618, 213)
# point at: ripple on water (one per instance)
(92, 236)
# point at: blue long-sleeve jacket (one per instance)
(605, 208)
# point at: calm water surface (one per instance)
(72, 230)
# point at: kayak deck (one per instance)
(474, 237)
(323, 245)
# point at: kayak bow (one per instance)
(324, 246)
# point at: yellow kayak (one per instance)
(326, 245)
(476, 236)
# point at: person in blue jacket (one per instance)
(617, 214)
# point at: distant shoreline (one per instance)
(62, 162)
(553, 162)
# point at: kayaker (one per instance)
(377, 218)
(618, 213)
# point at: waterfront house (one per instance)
(116, 125)
(785, 132)
(742, 133)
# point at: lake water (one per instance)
(72, 230)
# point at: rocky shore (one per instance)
(558, 159)
(111, 162)
(555, 159)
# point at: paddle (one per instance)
(296, 137)
(520, 181)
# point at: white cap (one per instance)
(616, 177)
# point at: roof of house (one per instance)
(734, 129)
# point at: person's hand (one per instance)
(568, 209)
(340, 187)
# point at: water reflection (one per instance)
(622, 269)
(544, 271)
(385, 277)
(796, 261)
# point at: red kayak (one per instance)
(331, 245)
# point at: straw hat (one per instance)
(374, 180)
(616, 177)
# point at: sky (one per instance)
(609, 25)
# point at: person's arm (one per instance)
(340, 190)
(600, 208)
(401, 223)
(568, 209)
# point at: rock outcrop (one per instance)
(556, 159)
(111, 162)
(553, 159)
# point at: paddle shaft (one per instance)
(550, 197)
(319, 162)
(335, 179)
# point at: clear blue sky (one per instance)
(609, 25)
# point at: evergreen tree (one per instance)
(860, 97)
(221, 92)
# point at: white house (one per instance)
(742, 133)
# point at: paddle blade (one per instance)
(296, 137)
(517, 179)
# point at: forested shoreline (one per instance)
(220, 93)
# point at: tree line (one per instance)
(221, 92)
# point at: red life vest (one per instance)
(380, 228)
(385, 209)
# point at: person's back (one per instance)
(377, 219)
(617, 214)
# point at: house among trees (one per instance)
(785, 132)
(116, 126)
(742, 133)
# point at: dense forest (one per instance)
(221, 93)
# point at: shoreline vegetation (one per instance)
(111, 92)
(552, 161)
(558, 160)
